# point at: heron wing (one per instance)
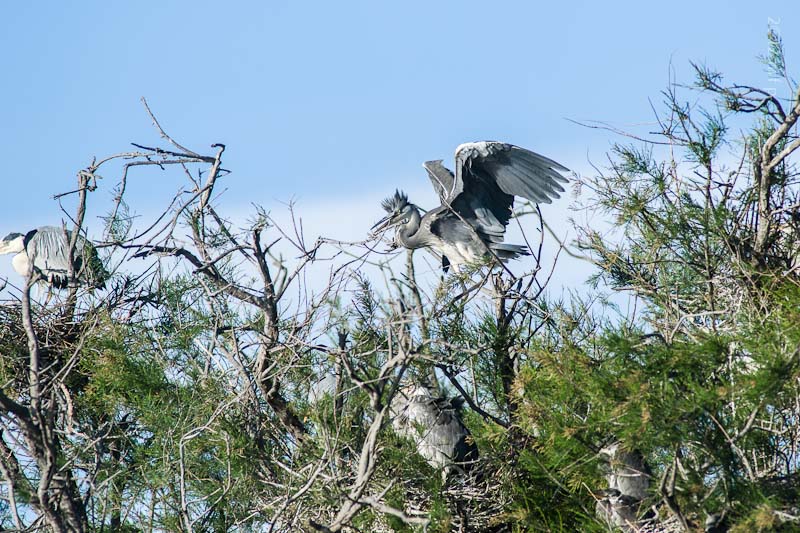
(435, 425)
(442, 179)
(47, 249)
(453, 231)
(488, 176)
(512, 169)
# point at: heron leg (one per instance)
(49, 294)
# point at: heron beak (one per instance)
(382, 224)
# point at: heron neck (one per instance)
(408, 236)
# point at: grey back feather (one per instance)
(47, 248)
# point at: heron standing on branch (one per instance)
(434, 424)
(45, 251)
(628, 477)
(476, 202)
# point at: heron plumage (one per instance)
(45, 251)
(477, 201)
(434, 424)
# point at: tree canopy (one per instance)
(217, 384)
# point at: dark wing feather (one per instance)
(442, 178)
(488, 176)
(448, 227)
(514, 170)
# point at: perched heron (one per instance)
(476, 202)
(322, 388)
(628, 478)
(45, 251)
(434, 424)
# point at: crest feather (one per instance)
(396, 202)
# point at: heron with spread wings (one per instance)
(477, 202)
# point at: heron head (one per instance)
(12, 243)
(398, 209)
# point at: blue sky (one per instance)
(340, 102)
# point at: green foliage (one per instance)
(183, 401)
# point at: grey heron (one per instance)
(323, 387)
(476, 201)
(434, 424)
(628, 478)
(45, 251)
